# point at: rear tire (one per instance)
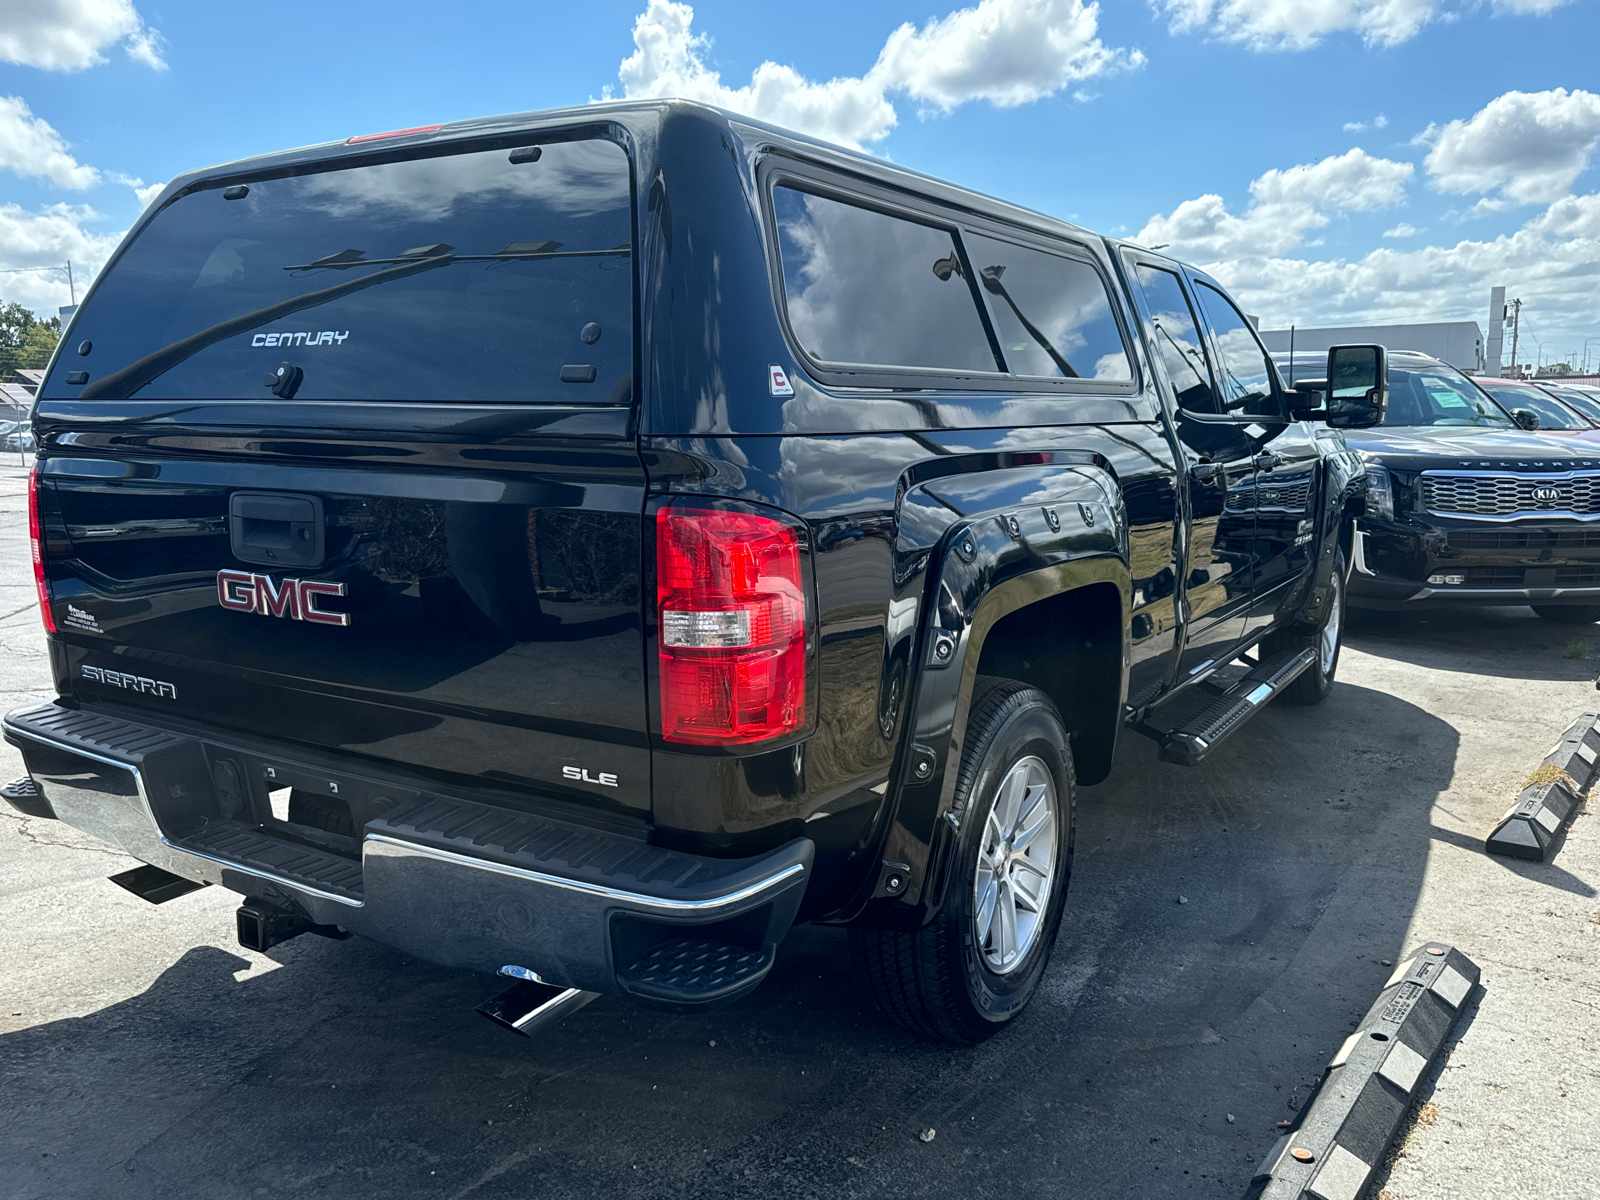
(1313, 684)
(971, 971)
(1569, 614)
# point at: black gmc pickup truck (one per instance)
(580, 545)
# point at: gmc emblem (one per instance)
(243, 591)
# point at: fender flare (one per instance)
(982, 568)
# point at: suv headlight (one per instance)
(1380, 492)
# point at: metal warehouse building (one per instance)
(1459, 343)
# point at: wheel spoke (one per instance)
(1007, 802)
(986, 907)
(1023, 863)
(1008, 924)
(1025, 838)
(1023, 900)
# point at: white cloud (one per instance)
(49, 238)
(1005, 51)
(1403, 230)
(1284, 206)
(1378, 122)
(69, 35)
(667, 61)
(1532, 146)
(29, 146)
(146, 193)
(1268, 25)
(1571, 216)
(1557, 277)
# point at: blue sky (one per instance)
(1134, 118)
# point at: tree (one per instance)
(25, 341)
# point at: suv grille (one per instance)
(1493, 495)
(1524, 539)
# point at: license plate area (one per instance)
(323, 809)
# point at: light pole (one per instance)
(1586, 353)
(72, 288)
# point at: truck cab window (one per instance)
(1178, 340)
(863, 287)
(1246, 373)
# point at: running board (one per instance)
(1190, 743)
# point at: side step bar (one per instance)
(1190, 743)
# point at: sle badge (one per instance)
(777, 382)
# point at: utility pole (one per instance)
(72, 288)
(1516, 325)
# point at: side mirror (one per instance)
(1525, 418)
(1358, 386)
(1306, 400)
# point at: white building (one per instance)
(1459, 343)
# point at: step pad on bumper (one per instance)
(535, 843)
(695, 971)
(95, 733)
(236, 842)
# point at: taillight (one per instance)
(36, 536)
(731, 613)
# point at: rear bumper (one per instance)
(444, 878)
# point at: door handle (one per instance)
(1204, 471)
(277, 529)
(1266, 460)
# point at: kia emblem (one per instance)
(1545, 494)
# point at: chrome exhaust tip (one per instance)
(532, 1004)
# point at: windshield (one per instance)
(487, 276)
(1551, 412)
(1586, 404)
(1435, 394)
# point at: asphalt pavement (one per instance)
(1227, 925)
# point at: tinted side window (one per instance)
(1246, 375)
(867, 288)
(463, 277)
(1178, 340)
(1052, 313)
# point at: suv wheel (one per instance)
(978, 964)
(1569, 614)
(1314, 684)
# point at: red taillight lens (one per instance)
(36, 536)
(731, 626)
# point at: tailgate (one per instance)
(346, 456)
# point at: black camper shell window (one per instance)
(882, 291)
(464, 273)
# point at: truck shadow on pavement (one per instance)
(1227, 926)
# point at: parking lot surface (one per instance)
(1227, 926)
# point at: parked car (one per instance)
(1555, 413)
(1585, 400)
(1465, 507)
(665, 529)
